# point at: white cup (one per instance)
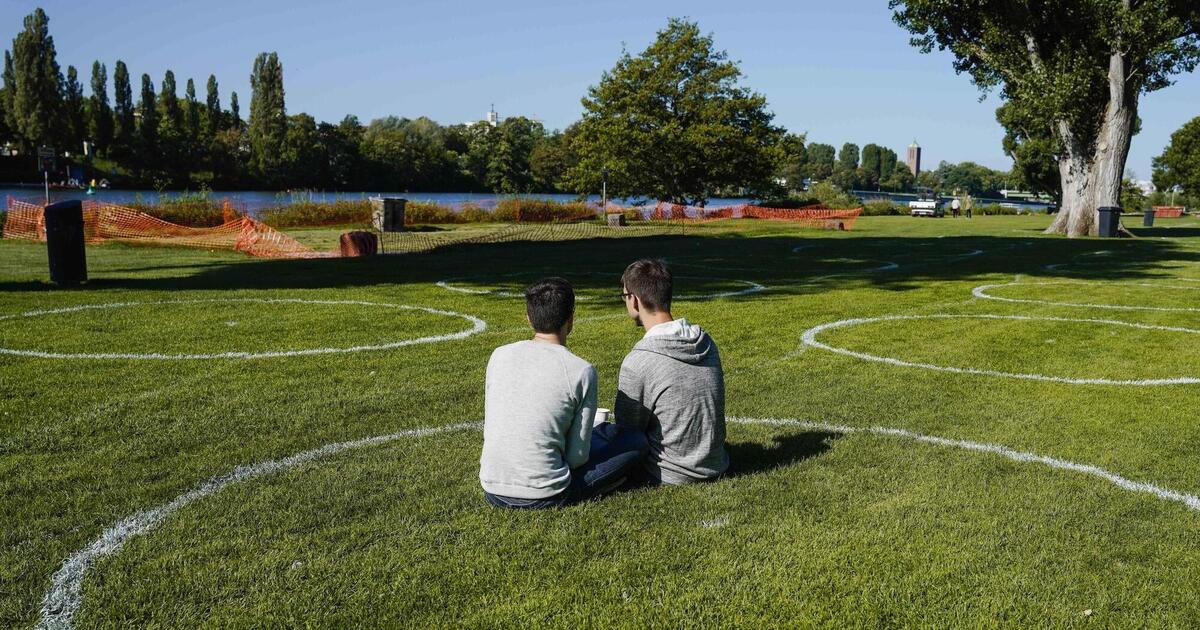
(601, 416)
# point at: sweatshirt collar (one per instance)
(673, 328)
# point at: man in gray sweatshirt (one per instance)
(539, 446)
(671, 384)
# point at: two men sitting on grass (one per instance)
(540, 448)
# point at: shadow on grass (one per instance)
(750, 458)
(807, 262)
(1172, 232)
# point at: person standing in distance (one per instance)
(671, 385)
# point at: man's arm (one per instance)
(630, 410)
(579, 435)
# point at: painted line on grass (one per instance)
(477, 326)
(809, 337)
(1192, 502)
(62, 601)
(982, 292)
(751, 287)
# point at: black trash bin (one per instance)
(1148, 218)
(64, 243)
(1110, 221)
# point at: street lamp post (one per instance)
(604, 189)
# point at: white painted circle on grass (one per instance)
(809, 338)
(982, 292)
(62, 601)
(750, 287)
(477, 326)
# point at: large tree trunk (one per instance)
(1091, 172)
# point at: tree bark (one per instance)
(1091, 174)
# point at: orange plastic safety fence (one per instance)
(813, 216)
(110, 222)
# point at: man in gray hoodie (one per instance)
(671, 384)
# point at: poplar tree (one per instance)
(235, 112)
(1072, 72)
(75, 117)
(212, 117)
(124, 128)
(268, 117)
(147, 127)
(848, 156)
(191, 115)
(7, 120)
(100, 115)
(170, 125)
(37, 100)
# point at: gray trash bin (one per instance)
(1148, 218)
(387, 213)
(64, 242)
(1110, 221)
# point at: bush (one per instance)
(994, 209)
(316, 213)
(789, 203)
(832, 197)
(541, 211)
(187, 210)
(883, 209)
(429, 212)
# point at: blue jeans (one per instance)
(614, 455)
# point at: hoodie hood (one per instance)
(683, 342)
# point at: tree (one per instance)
(191, 117)
(821, 158)
(872, 156)
(100, 115)
(235, 112)
(125, 127)
(303, 155)
(508, 164)
(341, 158)
(9, 121)
(887, 164)
(1132, 197)
(212, 110)
(848, 156)
(792, 160)
(147, 145)
(901, 179)
(1074, 69)
(1179, 164)
(36, 100)
(170, 141)
(268, 118)
(1034, 152)
(75, 129)
(673, 123)
(550, 160)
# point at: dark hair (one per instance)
(651, 282)
(549, 302)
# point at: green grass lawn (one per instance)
(820, 524)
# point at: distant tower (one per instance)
(493, 118)
(914, 158)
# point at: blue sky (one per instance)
(840, 71)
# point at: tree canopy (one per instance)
(1179, 164)
(673, 123)
(1070, 71)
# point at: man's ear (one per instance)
(569, 326)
